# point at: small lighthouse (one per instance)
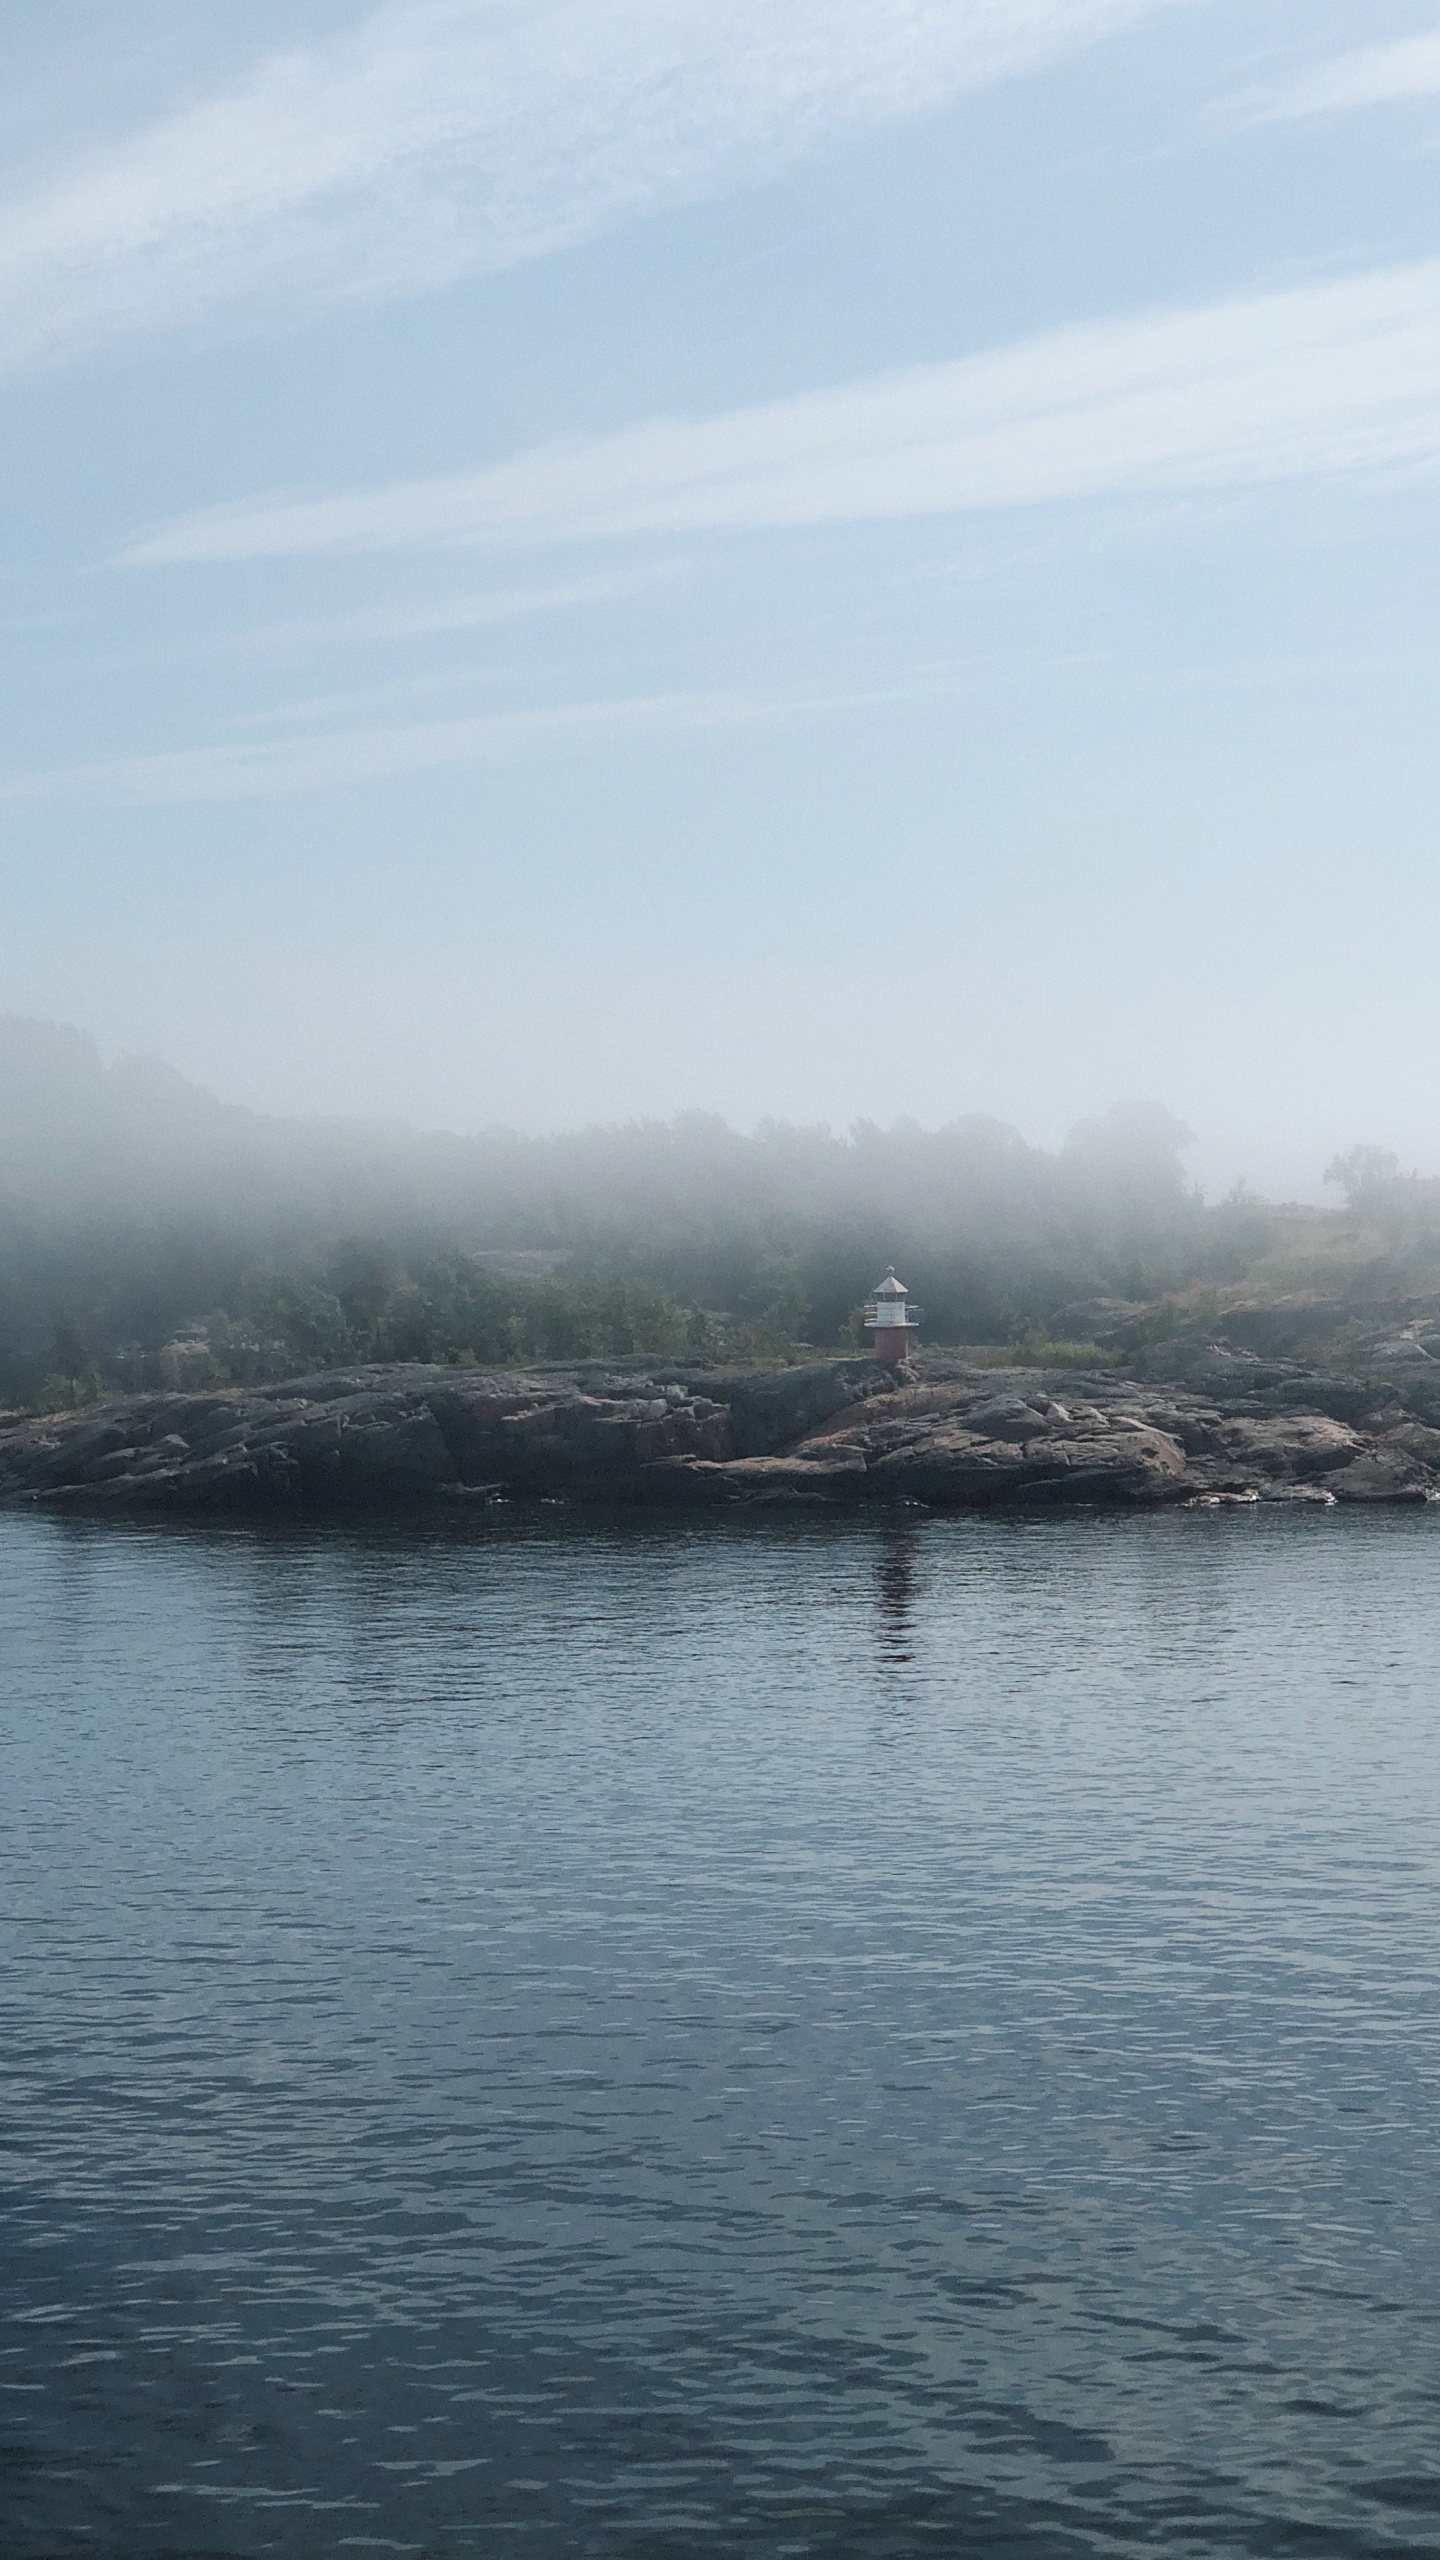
(891, 1318)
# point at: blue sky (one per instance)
(834, 557)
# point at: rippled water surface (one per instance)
(781, 2039)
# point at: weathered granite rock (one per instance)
(842, 1431)
(1377, 1476)
(947, 1445)
(1245, 1449)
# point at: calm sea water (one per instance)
(783, 2038)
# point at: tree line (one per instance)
(142, 1224)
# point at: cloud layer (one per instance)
(445, 138)
(1336, 378)
(274, 766)
(1375, 75)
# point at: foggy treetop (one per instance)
(133, 1204)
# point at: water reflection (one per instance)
(895, 1602)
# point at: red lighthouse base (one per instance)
(891, 1342)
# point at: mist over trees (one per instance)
(135, 1208)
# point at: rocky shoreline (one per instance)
(678, 1436)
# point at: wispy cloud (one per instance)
(271, 767)
(1341, 377)
(386, 626)
(438, 139)
(1374, 75)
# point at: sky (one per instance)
(576, 559)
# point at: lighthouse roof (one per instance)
(890, 1287)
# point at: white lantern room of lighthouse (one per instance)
(890, 1318)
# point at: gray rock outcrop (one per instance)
(841, 1431)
